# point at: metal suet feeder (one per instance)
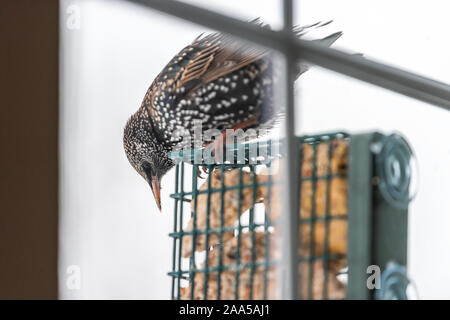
(354, 192)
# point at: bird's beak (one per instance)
(156, 188)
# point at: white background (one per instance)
(109, 224)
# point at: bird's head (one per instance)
(145, 153)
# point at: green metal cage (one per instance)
(353, 214)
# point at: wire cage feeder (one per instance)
(353, 192)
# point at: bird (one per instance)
(217, 81)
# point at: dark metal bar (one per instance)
(290, 218)
(208, 216)
(244, 30)
(389, 222)
(180, 228)
(252, 231)
(359, 246)
(266, 230)
(221, 229)
(175, 225)
(327, 218)
(312, 224)
(239, 232)
(192, 266)
(379, 74)
(256, 264)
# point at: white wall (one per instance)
(109, 223)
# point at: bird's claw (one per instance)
(202, 169)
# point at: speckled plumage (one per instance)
(217, 81)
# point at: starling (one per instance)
(217, 81)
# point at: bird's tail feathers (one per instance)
(301, 31)
(329, 40)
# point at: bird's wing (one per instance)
(222, 55)
(219, 54)
(205, 60)
(211, 57)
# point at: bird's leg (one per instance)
(219, 142)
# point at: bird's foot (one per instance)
(201, 170)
